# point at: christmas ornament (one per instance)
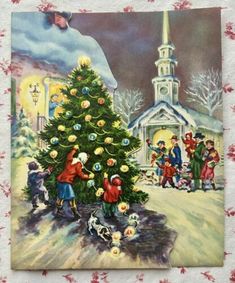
(88, 118)
(85, 90)
(85, 104)
(125, 142)
(54, 140)
(130, 231)
(108, 140)
(135, 189)
(84, 61)
(99, 192)
(72, 138)
(90, 183)
(123, 207)
(53, 154)
(61, 128)
(116, 124)
(98, 150)
(133, 219)
(116, 236)
(79, 78)
(97, 167)
(77, 127)
(101, 101)
(115, 251)
(92, 137)
(124, 168)
(111, 162)
(101, 123)
(73, 91)
(68, 114)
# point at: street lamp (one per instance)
(35, 92)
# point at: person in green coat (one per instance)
(197, 161)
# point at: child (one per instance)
(186, 176)
(112, 192)
(35, 183)
(190, 143)
(168, 172)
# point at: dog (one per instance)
(104, 232)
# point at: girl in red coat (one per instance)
(73, 169)
(190, 143)
(112, 192)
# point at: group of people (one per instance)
(196, 173)
(74, 166)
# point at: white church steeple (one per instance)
(166, 84)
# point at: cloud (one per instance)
(33, 36)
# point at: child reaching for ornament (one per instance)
(168, 172)
(73, 168)
(190, 143)
(112, 192)
(35, 183)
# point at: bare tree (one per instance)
(127, 103)
(206, 90)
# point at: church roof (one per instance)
(188, 115)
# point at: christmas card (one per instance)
(117, 140)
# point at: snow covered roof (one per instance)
(35, 37)
(188, 115)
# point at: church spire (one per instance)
(165, 28)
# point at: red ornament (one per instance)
(111, 162)
(101, 101)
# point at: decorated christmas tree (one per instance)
(24, 142)
(89, 121)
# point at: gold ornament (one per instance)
(79, 78)
(116, 236)
(73, 91)
(85, 104)
(135, 189)
(115, 251)
(116, 124)
(108, 140)
(84, 61)
(72, 138)
(101, 123)
(123, 206)
(98, 150)
(99, 192)
(130, 231)
(88, 118)
(61, 128)
(124, 168)
(53, 154)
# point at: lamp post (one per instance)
(35, 92)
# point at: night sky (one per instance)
(130, 42)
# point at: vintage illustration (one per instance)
(117, 140)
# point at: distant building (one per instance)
(167, 116)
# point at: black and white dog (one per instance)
(102, 231)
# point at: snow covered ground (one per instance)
(198, 218)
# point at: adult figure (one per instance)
(73, 169)
(197, 161)
(211, 158)
(160, 152)
(53, 103)
(175, 155)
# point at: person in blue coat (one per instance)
(175, 155)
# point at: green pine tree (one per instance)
(89, 121)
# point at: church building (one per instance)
(167, 117)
